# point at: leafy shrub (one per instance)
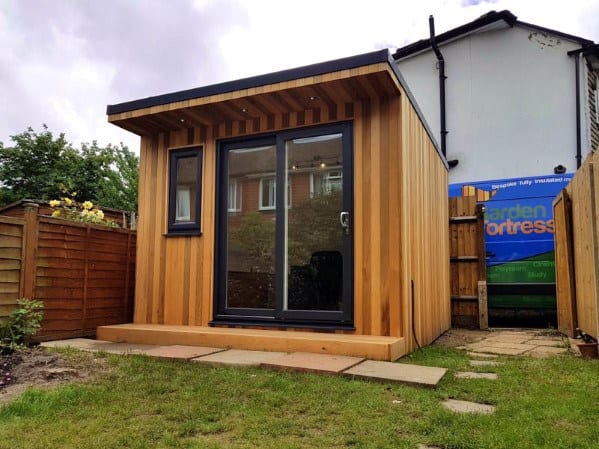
(24, 322)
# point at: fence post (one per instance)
(30, 250)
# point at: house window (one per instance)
(267, 192)
(234, 202)
(185, 191)
(326, 182)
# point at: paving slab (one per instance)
(557, 342)
(83, 344)
(484, 363)
(502, 350)
(180, 352)
(120, 348)
(482, 355)
(89, 344)
(239, 357)
(546, 351)
(468, 407)
(509, 339)
(426, 376)
(312, 363)
(472, 375)
(498, 344)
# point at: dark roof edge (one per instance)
(486, 19)
(414, 104)
(254, 81)
(571, 37)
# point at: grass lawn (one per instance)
(147, 403)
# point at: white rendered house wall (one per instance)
(511, 103)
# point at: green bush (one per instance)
(24, 322)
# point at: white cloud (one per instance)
(63, 61)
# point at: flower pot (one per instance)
(588, 350)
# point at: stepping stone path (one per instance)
(298, 361)
(239, 357)
(425, 376)
(484, 363)
(482, 355)
(468, 407)
(180, 352)
(471, 375)
(519, 343)
(313, 363)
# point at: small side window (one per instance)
(185, 191)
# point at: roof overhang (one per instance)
(319, 86)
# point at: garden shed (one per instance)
(302, 210)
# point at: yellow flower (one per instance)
(87, 205)
(74, 194)
(54, 203)
(84, 212)
(68, 201)
(56, 213)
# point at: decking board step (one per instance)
(364, 346)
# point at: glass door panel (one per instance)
(314, 237)
(251, 219)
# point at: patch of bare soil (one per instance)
(460, 337)
(41, 368)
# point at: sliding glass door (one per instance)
(284, 252)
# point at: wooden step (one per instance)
(367, 346)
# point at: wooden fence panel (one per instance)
(83, 273)
(565, 285)
(11, 259)
(467, 262)
(582, 295)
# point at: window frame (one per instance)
(279, 316)
(237, 196)
(187, 227)
(267, 180)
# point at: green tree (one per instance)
(40, 166)
(119, 185)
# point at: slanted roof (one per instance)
(330, 84)
(489, 21)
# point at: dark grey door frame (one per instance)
(278, 316)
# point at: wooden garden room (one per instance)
(302, 210)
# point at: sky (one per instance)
(63, 61)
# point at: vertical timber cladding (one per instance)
(400, 219)
(424, 234)
(175, 275)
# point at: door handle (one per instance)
(344, 220)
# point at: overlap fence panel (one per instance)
(577, 251)
(11, 256)
(83, 273)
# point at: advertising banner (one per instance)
(519, 234)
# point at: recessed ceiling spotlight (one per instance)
(312, 98)
(244, 110)
(182, 120)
